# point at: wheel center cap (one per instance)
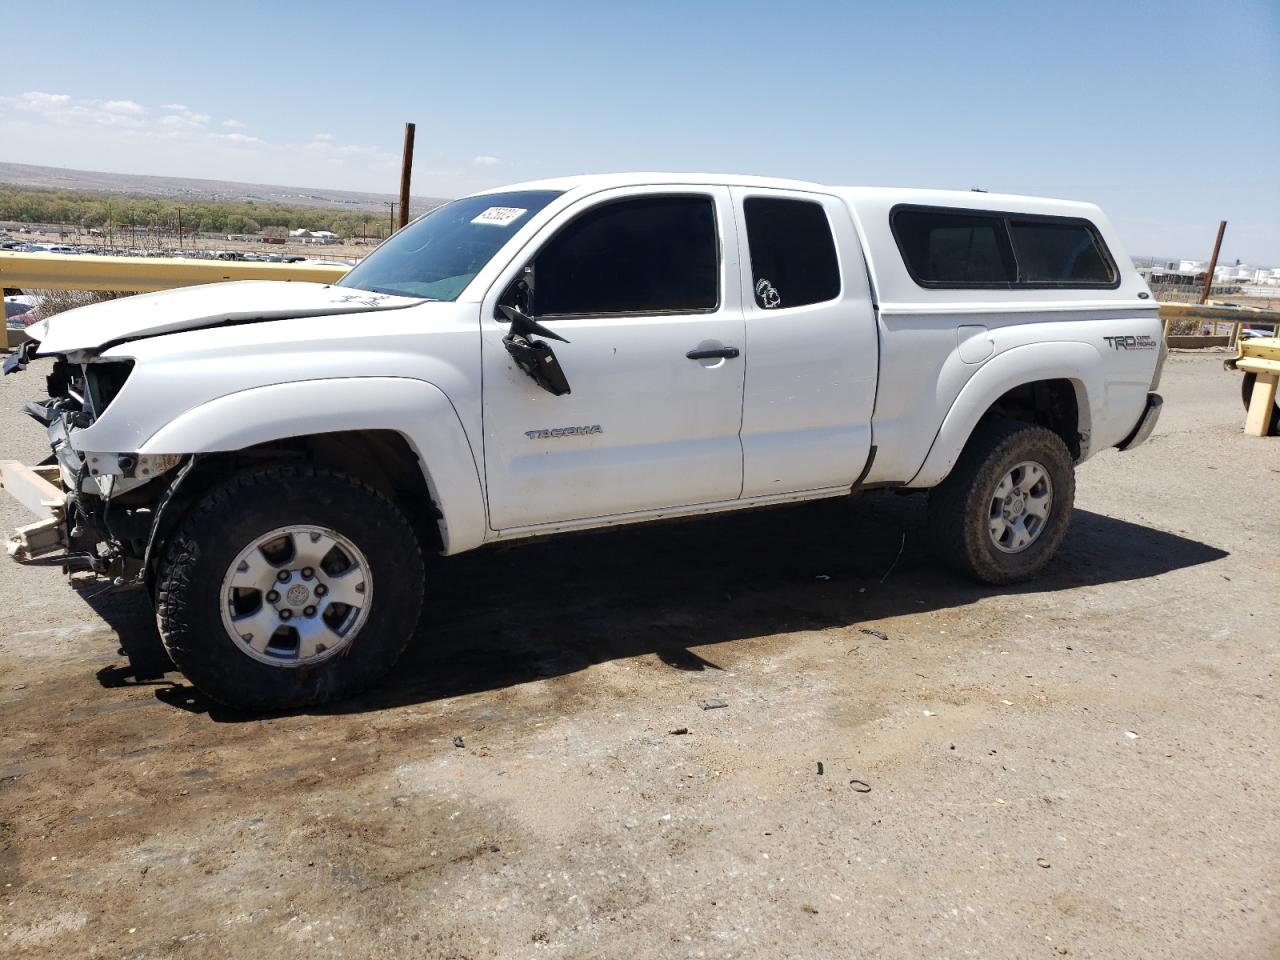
(1013, 508)
(297, 595)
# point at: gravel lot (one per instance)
(1084, 767)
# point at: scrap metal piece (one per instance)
(37, 539)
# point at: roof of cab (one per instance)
(605, 181)
(856, 196)
(871, 207)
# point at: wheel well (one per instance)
(381, 458)
(1049, 403)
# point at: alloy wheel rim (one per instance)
(1019, 507)
(296, 595)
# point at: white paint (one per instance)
(792, 417)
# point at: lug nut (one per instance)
(282, 576)
(321, 590)
(286, 614)
(310, 611)
(307, 573)
(272, 596)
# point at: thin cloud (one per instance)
(39, 100)
(184, 140)
(240, 138)
(62, 108)
(123, 106)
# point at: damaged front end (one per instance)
(95, 509)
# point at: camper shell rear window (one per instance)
(949, 248)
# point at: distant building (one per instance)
(313, 236)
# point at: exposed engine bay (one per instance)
(110, 500)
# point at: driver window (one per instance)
(643, 255)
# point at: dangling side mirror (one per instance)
(534, 357)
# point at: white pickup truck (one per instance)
(273, 459)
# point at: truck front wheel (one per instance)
(1004, 509)
(289, 585)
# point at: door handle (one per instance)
(717, 353)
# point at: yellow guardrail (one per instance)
(1232, 318)
(87, 271)
(1260, 357)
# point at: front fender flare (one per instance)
(1077, 362)
(417, 410)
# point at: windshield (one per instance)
(436, 256)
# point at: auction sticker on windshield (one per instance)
(500, 216)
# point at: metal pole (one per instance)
(1213, 263)
(406, 173)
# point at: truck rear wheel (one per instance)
(289, 585)
(1003, 511)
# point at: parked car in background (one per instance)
(19, 309)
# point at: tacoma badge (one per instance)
(563, 432)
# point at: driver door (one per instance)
(635, 280)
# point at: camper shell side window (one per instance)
(948, 248)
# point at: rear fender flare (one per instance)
(1077, 362)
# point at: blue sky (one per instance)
(1168, 114)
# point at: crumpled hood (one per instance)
(206, 305)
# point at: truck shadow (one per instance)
(505, 616)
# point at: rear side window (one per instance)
(966, 248)
(954, 249)
(648, 255)
(1057, 251)
(793, 256)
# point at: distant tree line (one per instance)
(93, 211)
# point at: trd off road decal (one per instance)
(1132, 343)
(554, 432)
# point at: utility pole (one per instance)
(406, 173)
(179, 229)
(1213, 262)
(392, 214)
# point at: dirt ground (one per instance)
(1083, 767)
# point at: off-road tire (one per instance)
(959, 507)
(230, 516)
(1246, 394)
